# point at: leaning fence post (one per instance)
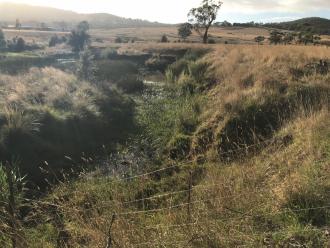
(189, 196)
(109, 241)
(11, 205)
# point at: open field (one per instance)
(106, 38)
(231, 35)
(146, 34)
(32, 35)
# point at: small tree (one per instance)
(118, 40)
(18, 24)
(306, 38)
(86, 66)
(53, 41)
(203, 16)
(317, 39)
(226, 24)
(288, 38)
(164, 39)
(19, 45)
(83, 26)
(275, 37)
(3, 43)
(79, 38)
(185, 30)
(259, 39)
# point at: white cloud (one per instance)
(173, 11)
(254, 6)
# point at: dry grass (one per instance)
(106, 37)
(242, 204)
(267, 67)
(150, 34)
(46, 88)
(32, 35)
(247, 202)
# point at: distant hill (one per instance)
(312, 24)
(35, 15)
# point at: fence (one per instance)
(15, 235)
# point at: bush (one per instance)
(169, 76)
(179, 146)
(211, 41)
(17, 45)
(54, 40)
(197, 70)
(58, 116)
(188, 67)
(195, 54)
(118, 40)
(187, 84)
(179, 67)
(3, 43)
(79, 38)
(130, 84)
(164, 39)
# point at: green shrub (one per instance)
(195, 54)
(179, 67)
(187, 84)
(169, 76)
(179, 146)
(198, 70)
(57, 116)
(118, 40)
(164, 39)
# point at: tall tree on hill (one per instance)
(18, 24)
(79, 38)
(3, 43)
(203, 16)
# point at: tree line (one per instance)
(278, 37)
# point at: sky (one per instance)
(175, 11)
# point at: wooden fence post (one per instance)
(11, 205)
(189, 196)
(110, 241)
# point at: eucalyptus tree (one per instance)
(203, 17)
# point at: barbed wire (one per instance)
(230, 152)
(179, 192)
(230, 236)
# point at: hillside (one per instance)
(232, 150)
(34, 15)
(313, 24)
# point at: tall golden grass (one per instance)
(272, 199)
